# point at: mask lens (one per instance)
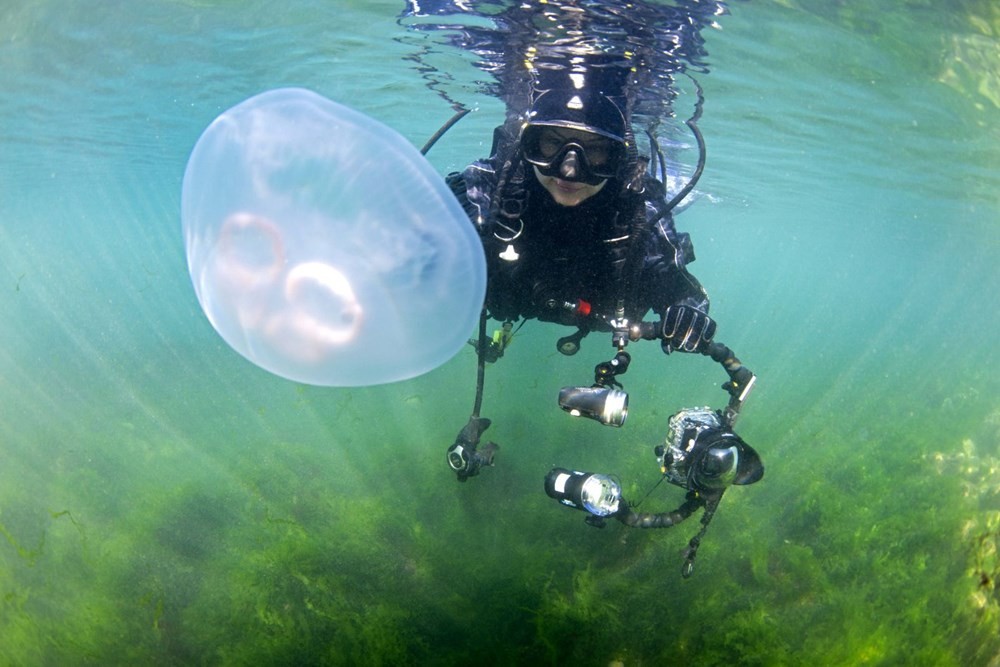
(547, 146)
(549, 143)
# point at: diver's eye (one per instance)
(549, 144)
(598, 152)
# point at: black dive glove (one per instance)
(686, 329)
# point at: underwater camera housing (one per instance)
(701, 453)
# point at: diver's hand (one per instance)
(686, 329)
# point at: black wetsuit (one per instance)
(615, 246)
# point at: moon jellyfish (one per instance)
(323, 247)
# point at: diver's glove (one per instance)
(686, 329)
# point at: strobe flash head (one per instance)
(596, 493)
(603, 404)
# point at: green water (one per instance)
(163, 501)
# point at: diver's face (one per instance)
(572, 165)
(568, 193)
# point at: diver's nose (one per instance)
(570, 166)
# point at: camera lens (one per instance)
(717, 467)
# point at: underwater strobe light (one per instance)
(604, 404)
(595, 493)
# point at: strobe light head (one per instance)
(603, 404)
(596, 493)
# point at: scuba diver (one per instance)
(577, 225)
(577, 231)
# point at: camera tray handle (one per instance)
(741, 380)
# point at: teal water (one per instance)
(163, 501)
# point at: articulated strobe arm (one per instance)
(741, 380)
(633, 519)
(692, 503)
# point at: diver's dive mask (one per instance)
(575, 135)
(572, 154)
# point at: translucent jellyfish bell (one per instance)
(323, 247)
